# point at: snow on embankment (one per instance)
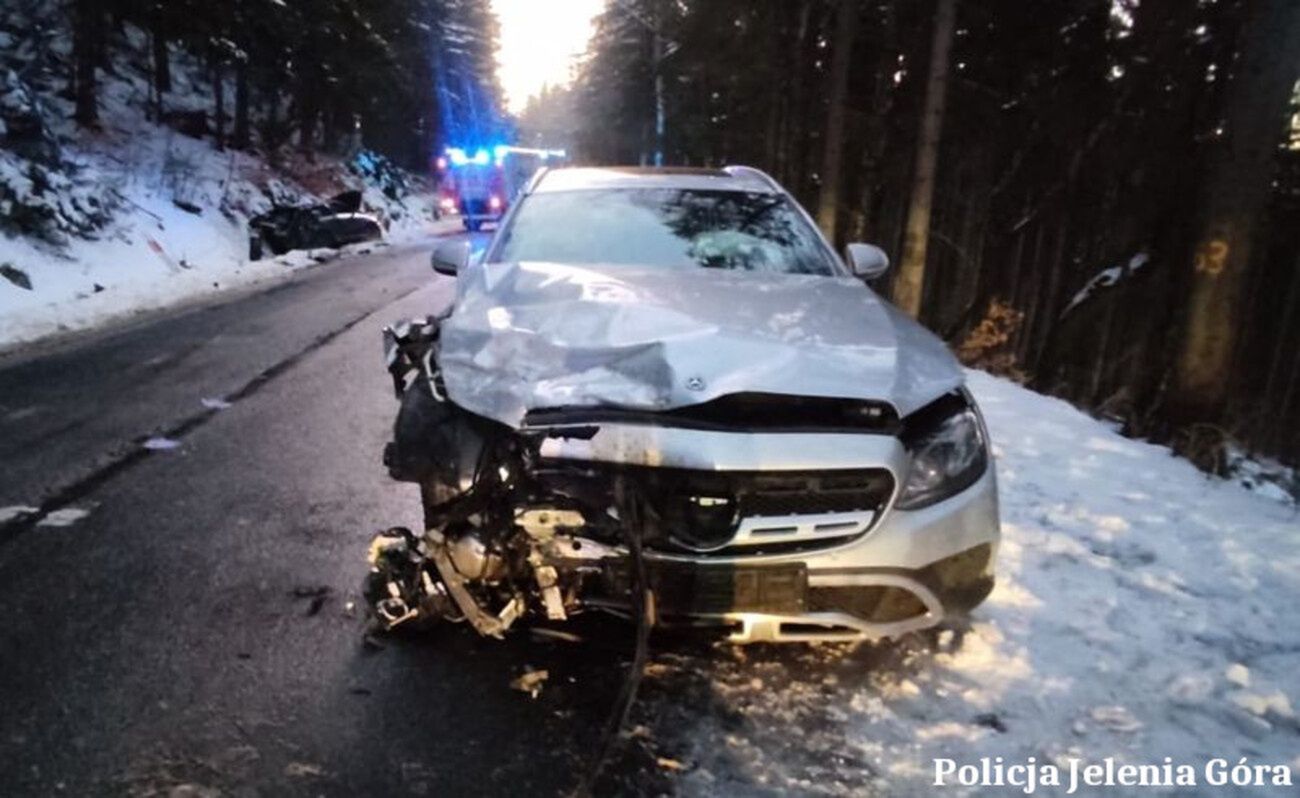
(101, 225)
(1143, 611)
(152, 253)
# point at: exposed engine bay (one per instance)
(508, 535)
(689, 514)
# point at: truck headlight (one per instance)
(948, 455)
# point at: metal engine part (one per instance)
(467, 573)
(542, 523)
(400, 588)
(484, 622)
(472, 559)
(501, 541)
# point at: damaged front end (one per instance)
(505, 536)
(769, 517)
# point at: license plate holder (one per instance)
(708, 589)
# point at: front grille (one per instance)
(736, 512)
(704, 511)
(811, 494)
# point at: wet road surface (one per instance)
(186, 620)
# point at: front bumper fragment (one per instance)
(779, 603)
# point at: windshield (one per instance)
(671, 228)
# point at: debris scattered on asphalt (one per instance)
(350, 609)
(158, 443)
(530, 682)
(214, 403)
(66, 516)
(990, 720)
(668, 763)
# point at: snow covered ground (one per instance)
(1143, 611)
(154, 252)
(150, 257)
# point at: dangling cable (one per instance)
(643, 602)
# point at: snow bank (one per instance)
(1143, 610)
(177, 211)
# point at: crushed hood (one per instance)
(526, 336)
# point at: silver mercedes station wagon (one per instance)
(661, 394)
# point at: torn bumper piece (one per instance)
(787, 603)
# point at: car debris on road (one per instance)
(331, 225)
(530, 681)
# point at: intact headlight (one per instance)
(947, 457)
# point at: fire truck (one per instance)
(480, 184)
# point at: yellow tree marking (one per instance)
(1212, 257)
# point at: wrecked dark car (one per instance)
(332, 225)
(660, 394)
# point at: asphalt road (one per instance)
(194, 626)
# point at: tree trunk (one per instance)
(240, 137)
(846, 19)
(1235, 194)
(85, 30)
(908, 291)
(877, 130)
(219, 105)
(308, 111)
(795, 129)
(1284, 343)
(162, 71)
(780, 73)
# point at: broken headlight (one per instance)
(948, 454)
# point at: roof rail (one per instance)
(753, 175)
(535, 179)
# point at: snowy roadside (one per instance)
(144, 264)
(177, 207)
(1143, 611)
(180, 233)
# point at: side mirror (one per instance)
(450, 256)
(867, 261)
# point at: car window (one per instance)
(671, 228)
